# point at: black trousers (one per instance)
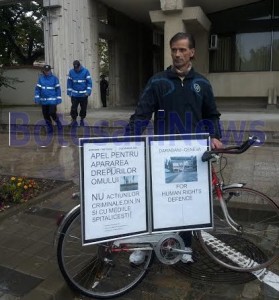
(49, 112)
(187, 238)
(76, 101)
(104, 98)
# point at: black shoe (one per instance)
(49, 128)
(74, 123)
(82, 123)
(59, 125)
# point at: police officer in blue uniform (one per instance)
(79, 87)
(48, 95)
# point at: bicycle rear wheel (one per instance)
(256, 246)
(96, 270)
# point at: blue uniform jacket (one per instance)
(79, 83)
(48, 91)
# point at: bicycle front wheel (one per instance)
(96, 270)
(256, 244)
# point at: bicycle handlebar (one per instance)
(230, 150)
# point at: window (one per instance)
(249, 44)
(221, 59)
(252, 51)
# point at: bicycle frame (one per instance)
(149, 241)
(218, 188)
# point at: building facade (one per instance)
(237, 45)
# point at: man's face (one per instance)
(181, 53)
(76, 68)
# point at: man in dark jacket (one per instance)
(103, 89)
(182, 102)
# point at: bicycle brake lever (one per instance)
(217, 157)
(208, 155)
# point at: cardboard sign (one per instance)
(181, 186)
(113, 194)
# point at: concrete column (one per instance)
(170, 16)
(271, 99)
(275, 96)
(114, 72)
(72, 33)
(201, 60)
(176, 18)
(172, 26)
(270, 96)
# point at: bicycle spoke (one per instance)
(96, 270)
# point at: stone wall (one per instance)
(23, 94)
(249, 85)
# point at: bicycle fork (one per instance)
(219, 193)
(235, 226)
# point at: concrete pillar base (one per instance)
(271, 107)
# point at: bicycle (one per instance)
(240, 213)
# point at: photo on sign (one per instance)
(129, 183)
(181, 169)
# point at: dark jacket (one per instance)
(180, 106)
(103, 85)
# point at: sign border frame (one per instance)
(98, 140)
(194, 136)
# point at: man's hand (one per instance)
(216, 144)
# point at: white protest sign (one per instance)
(113, 190)
(181, 185)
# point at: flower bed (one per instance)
(16, 190)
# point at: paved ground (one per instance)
(28, 267)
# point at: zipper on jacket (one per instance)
(182, 80)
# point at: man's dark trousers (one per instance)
(76, 101)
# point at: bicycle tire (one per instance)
(257, 246)
(92, 270)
